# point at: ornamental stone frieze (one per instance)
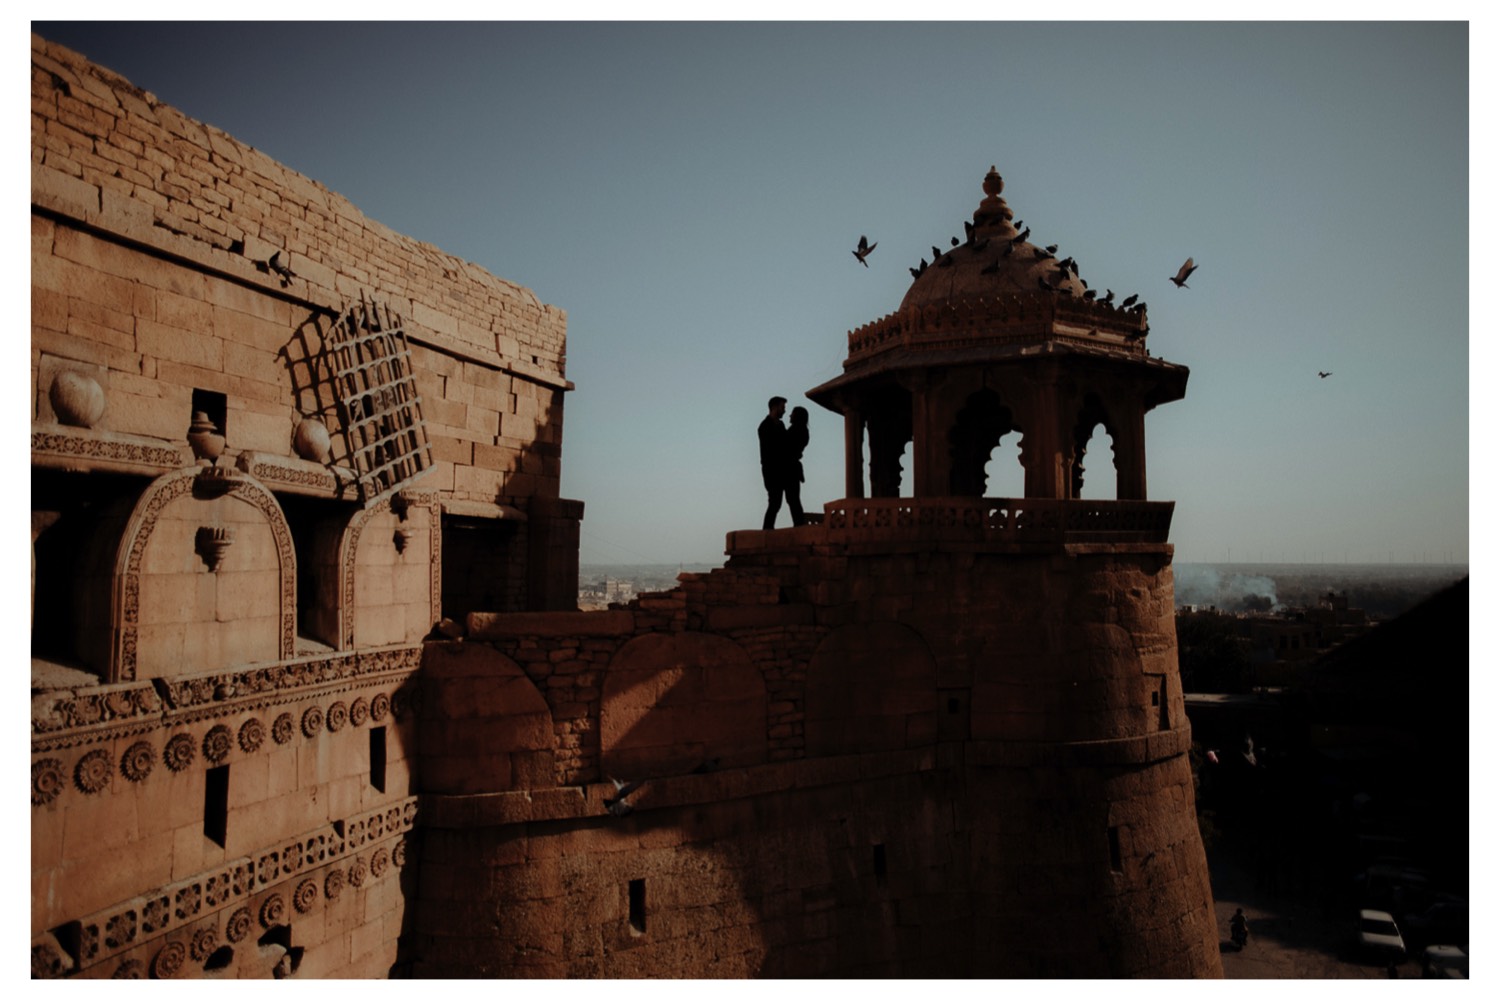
(178, 925)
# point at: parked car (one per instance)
(1445, 961)
(1378, 933)
(1445, 921)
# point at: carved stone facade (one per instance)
(232, 565)
(939, 734)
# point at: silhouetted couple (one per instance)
(781, 461)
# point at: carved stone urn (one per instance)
(311, 441)
(211, 544)
(77, 399)
(204, 438)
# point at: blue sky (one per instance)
(689, 193)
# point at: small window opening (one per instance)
(214, 404)
(1114, 849)
(638, 905)
(880, 864)
(216, 804)
(377, 758)
(219, 959)
(1155, 698)
(952, 706)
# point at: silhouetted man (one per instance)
(773, 446)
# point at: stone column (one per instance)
(1130, 455)
(854, 457)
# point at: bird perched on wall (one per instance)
(1181, 277)
(1109, 296)
(968, 232)
(1090, 293)
(1130, 301)
(936, 253)
(617, 806)
(276, 266)
(1324, 374)
(863, 250)
(953, 241)
(1052, 248)
(1019, 224)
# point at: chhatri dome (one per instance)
(993, 260)
(998, 336)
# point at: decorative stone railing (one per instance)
(1005, 520)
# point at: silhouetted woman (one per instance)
(796, 441)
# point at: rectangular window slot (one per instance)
(1155, 698)
(1114, 849)
(216, 803)
(638, 905)
(879, 862)
(214, 404)
(377, 758)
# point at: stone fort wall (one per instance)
(858, 761)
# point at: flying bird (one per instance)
(1324, 374)
(1130, 301)
(283, 271)
(865, 246)
(1019, 224)
(1188, 267)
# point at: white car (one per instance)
(1445, 961)
(1378, 932)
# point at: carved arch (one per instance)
(126, 583)
(405, 505)
(1091, 413)
(977, 428)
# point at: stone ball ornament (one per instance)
(76, 398)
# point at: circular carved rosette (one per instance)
(169, 961)
(179, 752)
(338, 714)
(281, 729)
(359, 712)
(237, 927)
(357, 873)
(252, 735)
(374, 826)
(217, 743)
(93, 771)
(120, 930)
(333, 884)
(131, 968)
(379, 862)
(272, 910)
(398, 854)
(46, 780)
(312, 721)
(204, 943)
(305, 896)
(137, 761)
(380, 707)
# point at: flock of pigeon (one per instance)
(1065, 267)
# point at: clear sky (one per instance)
(690, 194)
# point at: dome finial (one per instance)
(993, 214)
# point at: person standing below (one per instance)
(796, 441)
(773, 463)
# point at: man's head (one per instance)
(777, 406)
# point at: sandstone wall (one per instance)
(972, 760)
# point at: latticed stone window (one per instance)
(377, 398)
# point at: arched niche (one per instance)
(204, 579)
(673, 702)
(870, 687)
(390, 572)
(484, 726)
